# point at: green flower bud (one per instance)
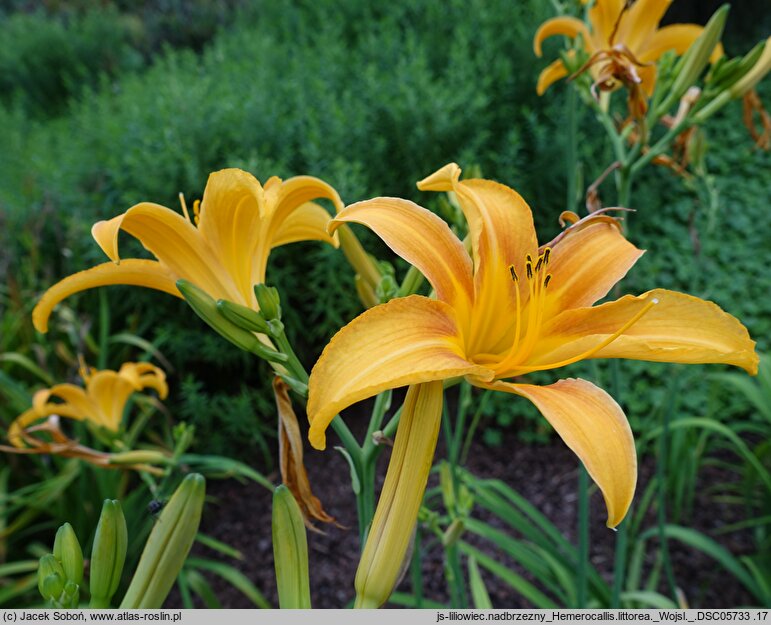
(108, 554)
(290, 551)
(755, 74)
(67, 550)
(243, 317)
(141, 456)
(70, 598)
(206, 308)
(50, 578)
(696, 58)
(269, 301)
(167, 547)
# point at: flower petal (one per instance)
(586, 264)
(603, 17)
(232, 215)
(677, 37)
(144, 375)
(550, 74)
(568, 26)
(593, 425)
(406, 341)
(134, 272)
(290, 455)
(109, 391)
(175, 242)
(679, 328)
(639, 22)
(308, 222)
(419, 237)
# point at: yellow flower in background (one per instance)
(101, 402)
(223, 249)
(512, 308)
(620, 34)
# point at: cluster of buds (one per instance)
(60, 574)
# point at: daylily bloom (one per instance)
(514, 309)
(223, 249)
(101, 403)
(623, 42)
(509, 309)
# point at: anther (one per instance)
(529, 259)
(529, 268)
(547, 280)
(546, 254)
(513, 273)
(538, 264)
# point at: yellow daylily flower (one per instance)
(511, 308)
(101, 402)
(620, 35)
(223, 249)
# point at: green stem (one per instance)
(416, 572)
(572, 151)
(582, 592)
(661, 477)
(660, 146)
(104, 329)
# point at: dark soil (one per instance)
(546, 475)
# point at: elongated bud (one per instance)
(696, 58)
(140, 456)
(756, 73)
(167, 547)
(50, 578)
(290, 551)
(729, 71)
(243, 316)
(67, 550)
(397, 509)
(206, 308)
(108, 554)
(363, 264)
(269, 301)
(749, 74)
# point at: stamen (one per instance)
(513, 273)
(197, 211)
(547, 280)
(546, 254)
(589, 353)
(538, 264)
(529, 268)
(83, 369)
(184, 205)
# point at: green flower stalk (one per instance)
(167, 547)
(290, 551)
(108, 554)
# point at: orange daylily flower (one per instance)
(623, 42)
(512, 308)
(223, 250)
(101, 402)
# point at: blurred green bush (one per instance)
(370, 97)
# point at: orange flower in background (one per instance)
(222, 250)
(101, 402)
(512, 308)
(623, 42)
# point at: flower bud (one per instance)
(68, 552)
(50, 578)
(140, 456)
(243, 316)
(206, 308)
(167, 547)
(269, 301)
(108, 554)
(696, 58)
(290, 551)
(383, 559)
(755, 74)
(70, 598)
